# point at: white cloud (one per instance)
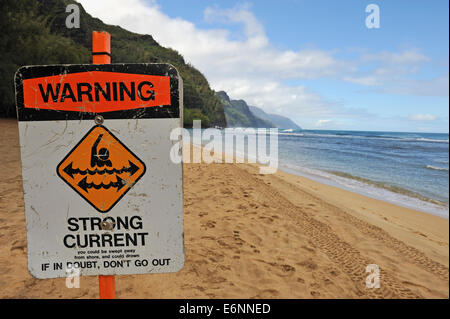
(320, 123)
(252, 27)
(390, 71)
(249, 67)
(411, 56)
(422, 117)
(392, 74)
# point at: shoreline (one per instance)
(364, 188)
(355, 202)
(428, 206)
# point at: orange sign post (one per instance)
(101, 47)
(106, 169)
(101, 54)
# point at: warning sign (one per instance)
(101, 169)
(103, 196)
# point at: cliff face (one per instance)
(278, 120)
(34, 32)
(238, 114)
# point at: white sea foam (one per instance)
(431, 140)
(369, 190)
(437, 168)
(379, 137)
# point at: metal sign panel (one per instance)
(101, 193)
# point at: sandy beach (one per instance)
(255, 236)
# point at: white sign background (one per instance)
(49, 202)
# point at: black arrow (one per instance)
(83, 184)
(69, 170)
(132, 168)
(120, 183)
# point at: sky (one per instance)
(314, 61)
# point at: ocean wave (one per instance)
(375, 189)
(422, 139)
(357, 183)
(379, 137)
(291, 134)
(391, 188)
(407, 137)
(437, 168)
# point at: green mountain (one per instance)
(34, 32)
(278, 120)
(238, 114)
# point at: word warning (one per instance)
(101, 193)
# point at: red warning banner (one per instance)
(96, 91)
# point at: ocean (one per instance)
(407, 169)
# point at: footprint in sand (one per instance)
(226, 192)
(210, 224)
(18, 245)
(270, 220)
(287, 268)
(308, 264)
(217, 280)
(315, 285)
(312, 250)
(268, 293)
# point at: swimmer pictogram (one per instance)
(101, 168)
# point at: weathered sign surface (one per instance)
(101, 193)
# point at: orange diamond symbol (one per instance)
(101, 169)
